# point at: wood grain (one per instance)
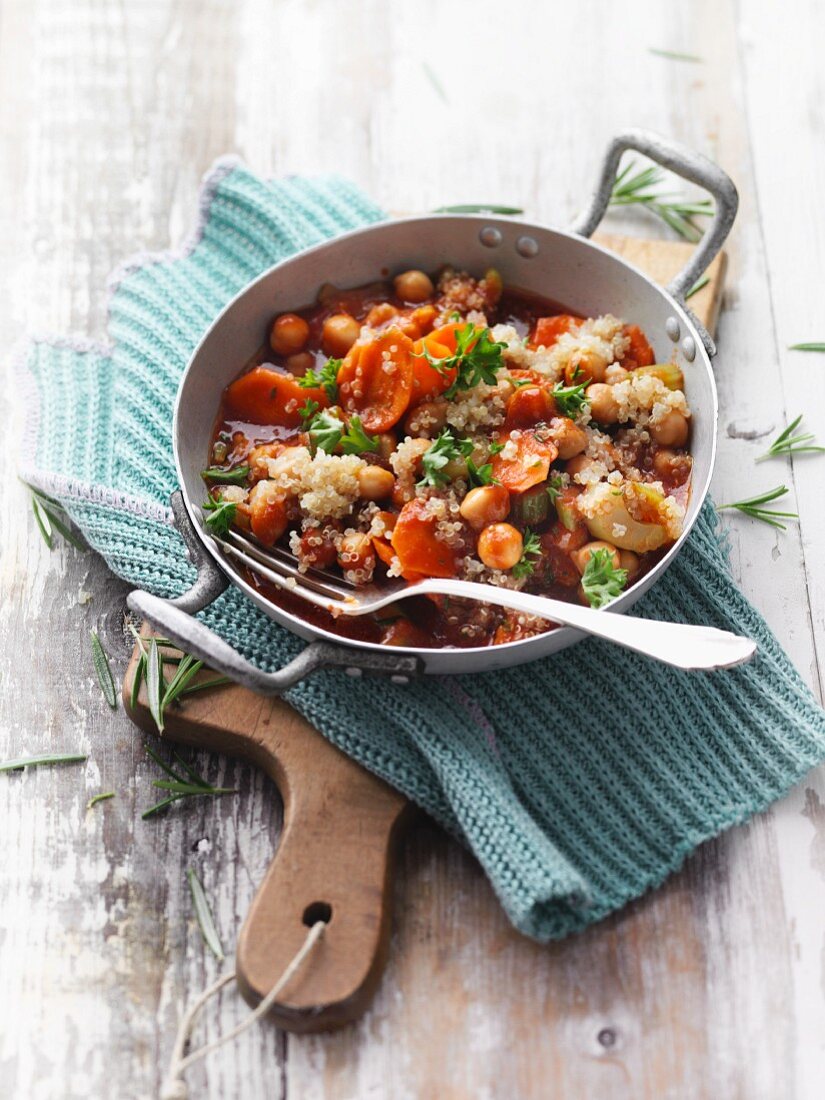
(109, 114)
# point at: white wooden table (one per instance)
(109, 114)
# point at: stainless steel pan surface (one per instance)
(562, 265)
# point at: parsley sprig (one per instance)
(221, 513)
(602, 581)
(480, 475)
(327, 378)
(476, 359)
(327, 431)
(531, 550)
(570, 399)
(753, 507)
(444, 449)
(554, 487)
(786, 443)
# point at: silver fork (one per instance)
(680, 644)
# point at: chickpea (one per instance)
(570, 439)
(356, 556)
(484, 505)
(672, 431)
(672, 466)
(583, 556)
(577, 465)
(258, 459)
(603, 405)
(288, 334)
(380, 314)
(585, 367)
(615, 373)
(374, 482)
(300, 363)
(386, 444)
(500, 546)
(630, 561)
(339, 334)
(426, 419)
(268, 513)
(413, 286)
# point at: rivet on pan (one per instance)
(672, 329)
(398, 678)
(490, 236)
(354, 672)
(689, 348)
(527, 247)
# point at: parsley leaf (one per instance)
(308, 410)
(477, 358)
(570, 399)
(496, 448)
(327, 377)
(532, 549)
(480, 475)
(325, 431)
(355, 439)
(221, 515)
(444, 448)
(602, 581)
(554, 487)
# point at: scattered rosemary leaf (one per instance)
(45, 512)
(93, 801)
(155, 683)
(478, 208)
(786, 443)
(140, 672)
(436, 83)
(104, 673)
(697, 286)
(753, 507)
(47, 758)
(673, 55)
(204, 915)
(42, 523)
(178, 785)
(807, 347)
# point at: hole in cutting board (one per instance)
(318, 910)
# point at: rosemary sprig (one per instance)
(786, 443)
(46, 758)
(673, 55)
(204, 915)
(155, 684)
(45, 514)
(697, 286)
(813, 346)
(635, 189)
(753, 507)
(478, 208)
(93, 801)
(104, 672)
(182, 687)
(179, 786)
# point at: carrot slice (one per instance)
(414, 540)
(265, 396)
(378, 389)
(439, 344)
(529, 466)
(383, 549)
(640, 353)
(528, 406)
(549, 329)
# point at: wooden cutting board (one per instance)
(341, 823)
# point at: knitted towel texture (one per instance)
(579, 781)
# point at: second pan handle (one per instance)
(686, 163)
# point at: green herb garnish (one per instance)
(814, 346)
(554, 487)
(327, 377)
(308, 410)
(753, 507)
(444, 448)
(46, 758)
(602, 581)
(104, 673)
(221, 514)
(532, 549)
(786, 443)
(93, 801)
(355, 440)
(570, 399)
(203, 913)
(190, 785)
(326, 432)
(635, 189)
(496, 448)
(480, 475)
(476, 359)
(219, 475)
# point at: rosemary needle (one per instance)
(93, 801)
(814, 346)
(179, 786)
(46, 758)
(753, 507)
(478, 208)
(104, 672)
(674, 55)
(697, 286)
(204, 915)
(786, 443)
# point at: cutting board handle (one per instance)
(334, 861)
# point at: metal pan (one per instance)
(562, 265)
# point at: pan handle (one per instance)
(686, 163)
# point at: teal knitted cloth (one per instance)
(579, 781)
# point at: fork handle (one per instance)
(682, 645)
